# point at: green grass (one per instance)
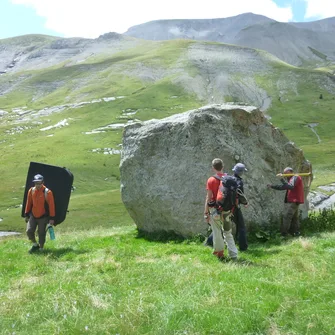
(70, 147)
(293, 117)
(330, 69)
(101, 76)
(108, 281)
(294, 112)
(28, 40)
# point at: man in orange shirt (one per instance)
(39, 211)
(215, 218)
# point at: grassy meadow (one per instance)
(98, 276)
(108, 281)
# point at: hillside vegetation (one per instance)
(152, 80)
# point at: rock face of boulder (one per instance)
(165, 165)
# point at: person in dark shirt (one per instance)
(293, 198)
(241, 230)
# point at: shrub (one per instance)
(319, 221)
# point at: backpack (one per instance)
(227, 197)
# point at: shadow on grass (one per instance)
(262, 252)
(247, 262)
(57, 253)
(243, 262)
(160, 236)
(239, 261)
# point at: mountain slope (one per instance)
(299, 43)
(214, 72)
(72, 113)
(325, 25)
(39, 51)
(219, 30)
(289, 43)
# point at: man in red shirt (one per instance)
(293, 198)
(39, 211)
(216, 218)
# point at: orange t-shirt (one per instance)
(213, 185)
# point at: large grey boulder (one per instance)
(165, 165)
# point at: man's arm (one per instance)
(29, 205)
(240, 192)
(284, 185)
(208, 199)
(242, 199)
(51, 204)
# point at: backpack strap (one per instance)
(46, 204)
(217, 177)
(46, 190)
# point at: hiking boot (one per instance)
(296, 234)
(34, 248)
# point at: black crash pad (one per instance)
(59, 180)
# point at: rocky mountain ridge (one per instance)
(33, 52)
(308, 44)
(297, 43)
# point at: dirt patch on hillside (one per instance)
(225, 73)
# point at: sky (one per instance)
(92, 18)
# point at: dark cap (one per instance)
(38, 178)
(288, 169)
(239, 167)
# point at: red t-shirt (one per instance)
(213, 184)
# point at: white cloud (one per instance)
(320, 8)
(91, 18)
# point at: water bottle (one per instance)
(51, 232)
